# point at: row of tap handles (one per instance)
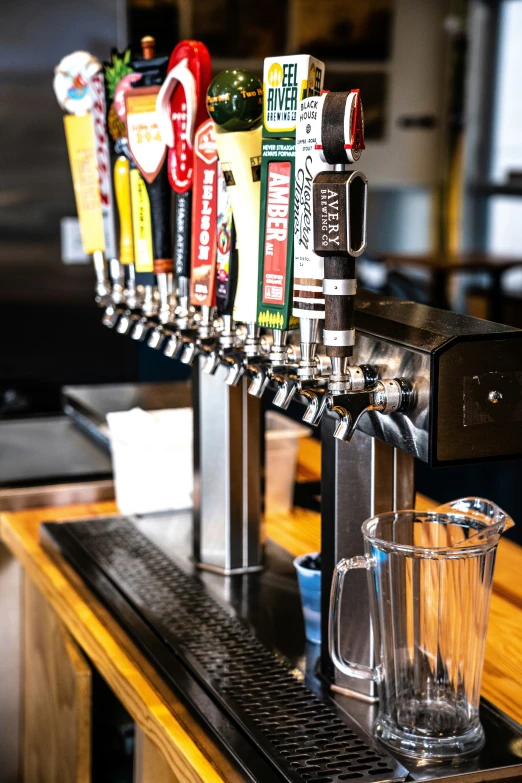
(239, 221)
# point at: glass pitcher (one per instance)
(430, 577)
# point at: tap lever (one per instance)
(189, 353)
(236, 368)
(317, 404)
(111, 315)
(141, 329)
(157, 337)
(260, 378)
(288, 385)
(173, 346)
(212, 362)
(387, 396)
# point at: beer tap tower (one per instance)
(395, 381)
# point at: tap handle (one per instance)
(181, 108)
(204, 210)
(183, 212)
(149, 150)
(141, 228)
(160, 198)
(83, 155)
(339, 206)
(227, 253)
(123, 200)
(234, 102)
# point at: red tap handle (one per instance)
(183, 99)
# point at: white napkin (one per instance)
(152, 459)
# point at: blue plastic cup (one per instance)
(310, 589)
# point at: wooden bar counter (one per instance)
(171, 746)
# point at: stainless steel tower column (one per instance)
(228, 473)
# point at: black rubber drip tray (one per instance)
(296, 730)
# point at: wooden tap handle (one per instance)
(339, 298)
(160, 197)
(123, 200)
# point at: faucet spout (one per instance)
(260, 378)
(287, 388)
(317, 404)
(387, 396)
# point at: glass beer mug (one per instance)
(430, 578)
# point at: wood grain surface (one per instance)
(189, 752)
(149, 763)
(57, 697)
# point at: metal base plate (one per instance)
(234, 649)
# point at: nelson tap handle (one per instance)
(160, 197)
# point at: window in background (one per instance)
(505, 210)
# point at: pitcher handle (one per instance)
(350, 668)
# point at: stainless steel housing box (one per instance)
(467, 376)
